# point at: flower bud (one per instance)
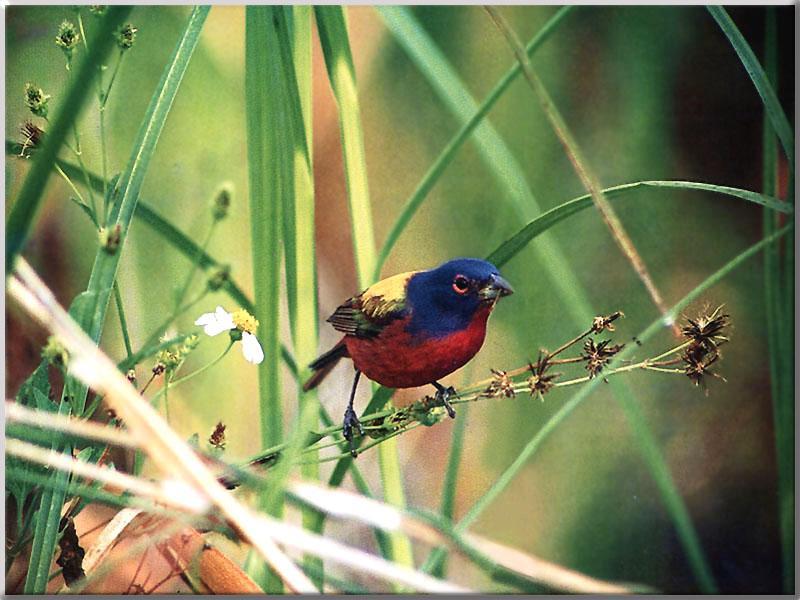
(55, 353)
(126, 36)
(110, 238)
(222, 202)
(36, 100)
(219, 278)
(67, 39)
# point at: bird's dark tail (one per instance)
(323, 365)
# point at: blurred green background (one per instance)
(650, 92)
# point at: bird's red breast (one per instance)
(397, 358)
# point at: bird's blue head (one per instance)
(445, 299)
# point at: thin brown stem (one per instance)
(587, 177)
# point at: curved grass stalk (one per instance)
(513, 245)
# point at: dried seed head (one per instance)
(540, 382)
(217, 437)
(501, 385)
(31, 138)
(159, 368)
(597, 355)
(601, 323)
(126, 36)
(131, 376)
(98, 10)
(71, 556)
(36, 100)
(707, 330)
(698, 363)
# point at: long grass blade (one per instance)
(270, 176)
(772, 106)
(513, 245)
(579, 163)
(91, 317)
(335, 43)
(494, 151)
(23, 212)
(300, 260)
(780, 356)
(537, 440)
(429, 60)
(169, 453)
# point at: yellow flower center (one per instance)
(244, 321)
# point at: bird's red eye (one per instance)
(460, 284)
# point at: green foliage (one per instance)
(23, 212)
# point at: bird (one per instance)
(412, 329)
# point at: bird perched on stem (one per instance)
(413, 329)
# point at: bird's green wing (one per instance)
(368, 313)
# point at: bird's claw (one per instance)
(443, 396)
(351, 421)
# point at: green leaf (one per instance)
(780, 123)
(23, 211)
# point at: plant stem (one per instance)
(122, 321)
(195, 265)
(575, 155)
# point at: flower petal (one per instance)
(251, 348)
(215, 323)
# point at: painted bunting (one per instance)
(414, 328)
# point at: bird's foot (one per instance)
(351, 421)
(443, 395)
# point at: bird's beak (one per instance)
(496, 287)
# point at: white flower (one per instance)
(216, 322)
(251, 348)
(241, 320)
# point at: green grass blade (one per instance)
(513, 245)
(450, 483)
(332, 29)
(91, 315)
(780, 355)
(305, 330)
(272, 142)
(341, 72)
(554, 421)
(23, 212)
(778, 119)
(486, 137)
